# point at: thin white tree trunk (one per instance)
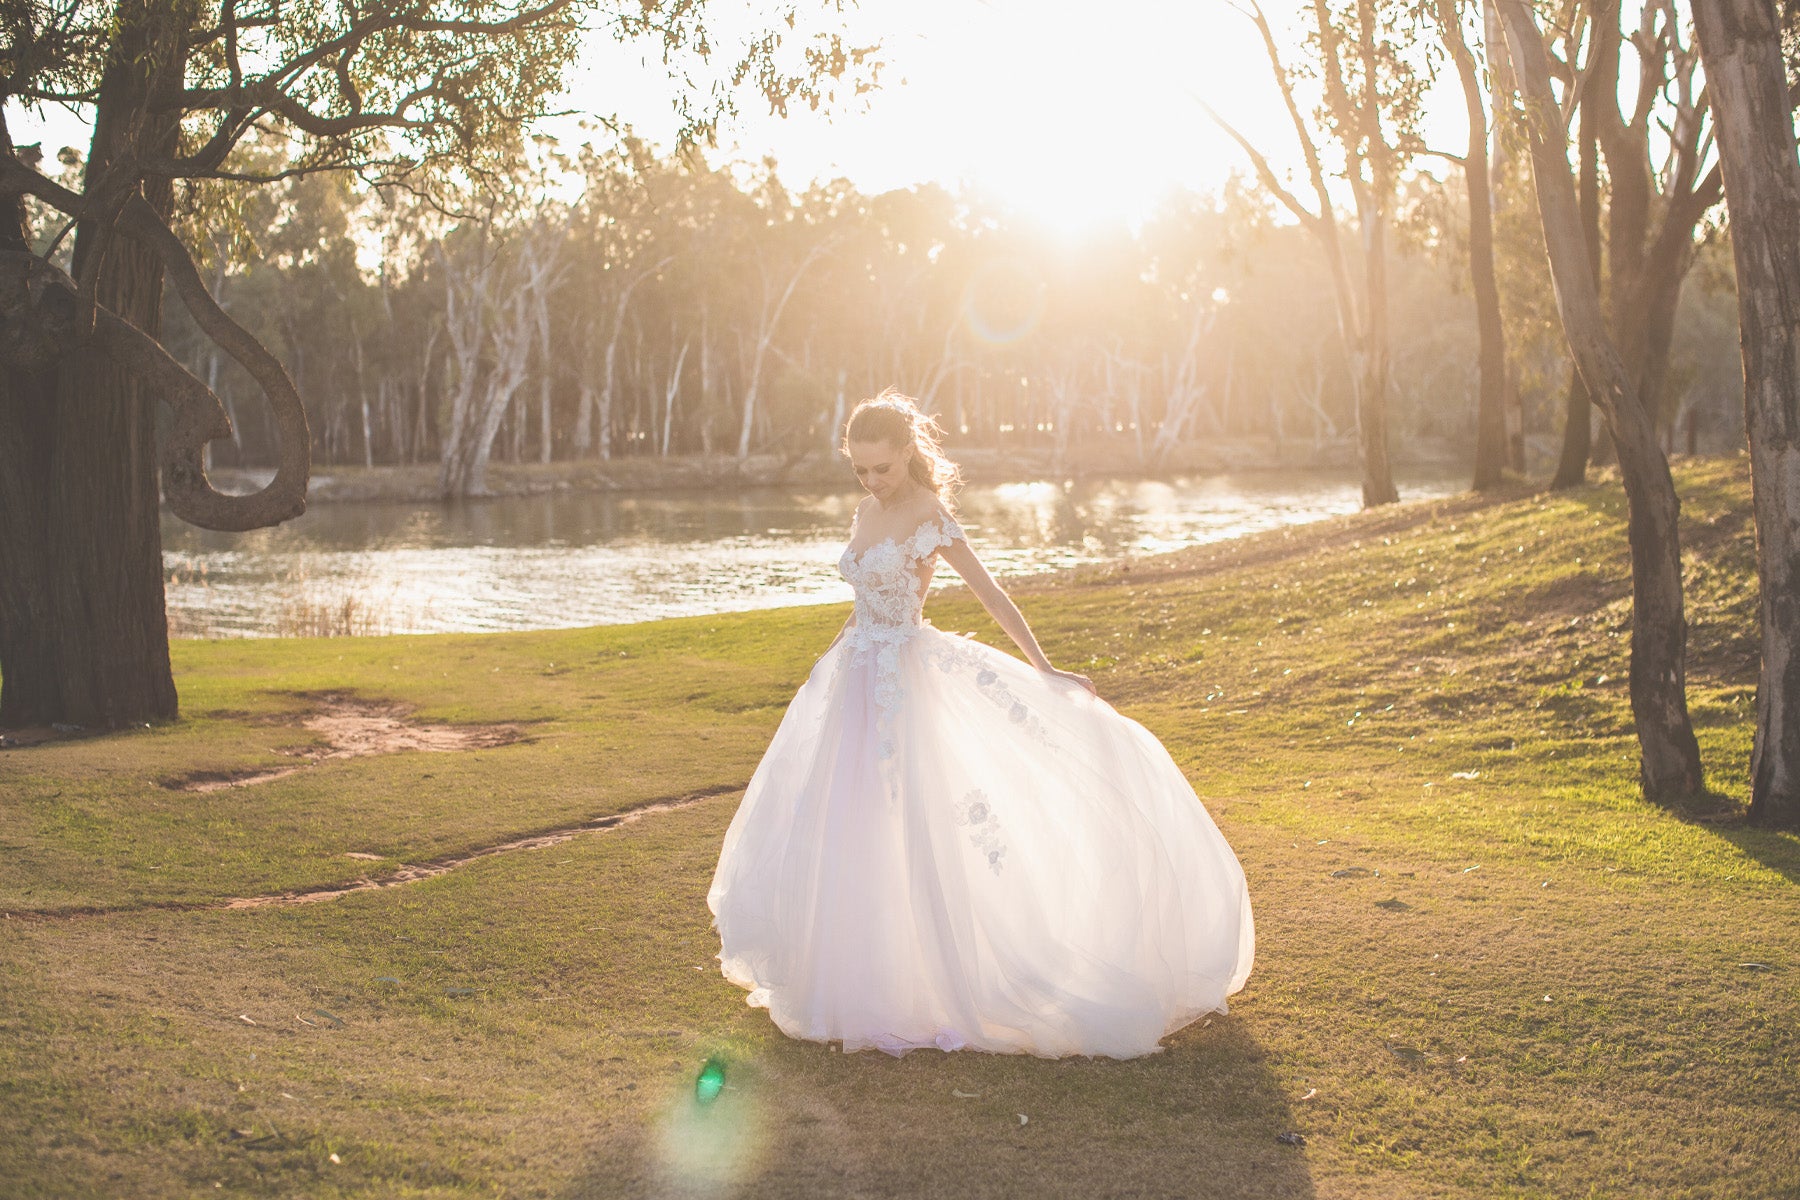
(770, 318)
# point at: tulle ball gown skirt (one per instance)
(944, 847)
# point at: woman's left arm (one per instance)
(1000, 606)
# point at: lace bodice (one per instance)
(886, 577)
(890, 604)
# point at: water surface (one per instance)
(563, 560)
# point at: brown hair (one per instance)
(896, 419)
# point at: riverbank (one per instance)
(1116, 457)
(1485, 967)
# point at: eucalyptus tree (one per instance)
(1741, 41)
(1658, 184)
(1670, 758)
(780, 260)
(416, 90)
(1490, 423)
(1371, 104)
(495, 303)
(626, 229)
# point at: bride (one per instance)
(945, 846)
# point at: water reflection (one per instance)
(537, 562)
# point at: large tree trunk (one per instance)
(1670, 766)
(83, 629)
(1741, 45)
(29, 689)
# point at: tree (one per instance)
(1365, 80)
(1670, 757)
(1490, 422)
(1656, 191)
(407, 91)
(1740, 41)
(493, 300)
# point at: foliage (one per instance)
(430, 94)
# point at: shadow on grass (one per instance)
(797, 1119)
(1724, 817)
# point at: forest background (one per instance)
(612, 299)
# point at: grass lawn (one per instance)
(1486, 967)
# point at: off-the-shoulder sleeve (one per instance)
(935, 534)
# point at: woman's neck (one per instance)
(902, 497)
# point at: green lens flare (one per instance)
(710, 1082)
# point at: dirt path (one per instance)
(407, 873)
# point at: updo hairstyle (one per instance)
(895, 419)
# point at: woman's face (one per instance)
(880, 466)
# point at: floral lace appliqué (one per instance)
(988, 682)
(890, 609)
(975, 812)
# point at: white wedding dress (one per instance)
(944, 847)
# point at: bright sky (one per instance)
(1072, 114)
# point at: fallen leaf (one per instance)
(1310, 1093)
(1023, 1119)
(1465, 774)
(335, 1158)
(245, 1020)
(304, 1021)
(1756, 966)
(335, 1020)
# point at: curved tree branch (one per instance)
(189, 493)
(41, 308)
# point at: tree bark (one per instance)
(1740, 42)
(1490, 407)
(1372, 398)
(1578, 432)
(29, 689)
(1670, 757)
(84, 631)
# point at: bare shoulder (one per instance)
(931, 510)
(941, 512)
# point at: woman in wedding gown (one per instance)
(944, 846)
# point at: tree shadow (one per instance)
(1725, 818)
(797, 1119)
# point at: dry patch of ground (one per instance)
(352, 727)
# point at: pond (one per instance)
(563, 560)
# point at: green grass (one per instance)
(1531, 989)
